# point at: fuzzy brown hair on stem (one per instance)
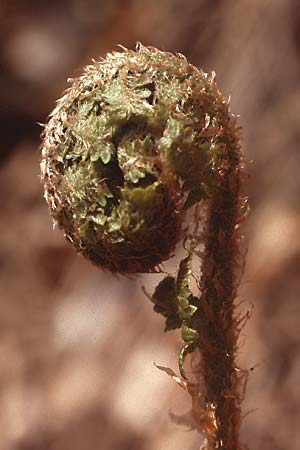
(134, 143)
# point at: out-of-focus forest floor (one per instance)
(77, 346)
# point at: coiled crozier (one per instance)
(128, 149)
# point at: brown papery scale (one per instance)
(134, 143)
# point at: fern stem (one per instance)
(218, 287)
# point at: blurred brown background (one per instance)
(77, 346)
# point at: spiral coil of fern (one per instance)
(129, 147)
(137, 140)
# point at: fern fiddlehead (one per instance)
(137, 141)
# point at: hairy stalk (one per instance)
(135, 142)
(209, 322)
(218, 287)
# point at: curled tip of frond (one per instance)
(131, 145)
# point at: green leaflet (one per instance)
(142, 198)
(104, 152)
